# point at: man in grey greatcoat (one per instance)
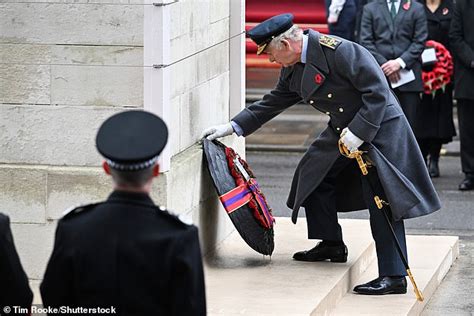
(343, 80)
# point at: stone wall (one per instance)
(66, 67)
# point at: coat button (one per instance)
(341, 110)
(328, 113)
(329, 95)
(311, 101)
(338, 129)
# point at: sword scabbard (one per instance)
(418, 294)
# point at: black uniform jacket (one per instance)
(343, 80)
(461, 35)
(128, 254)
(14, 287)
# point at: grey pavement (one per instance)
(273, 153)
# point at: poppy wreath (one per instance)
(440, 74)
(257, 201)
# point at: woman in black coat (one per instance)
(434, 125)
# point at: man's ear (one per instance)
(106, 167)
(156, 170)
(286, 43)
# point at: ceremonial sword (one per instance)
(374, 182)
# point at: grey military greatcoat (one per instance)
(343, 80)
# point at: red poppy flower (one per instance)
(445, 11)
(406, 5)
(318, 79)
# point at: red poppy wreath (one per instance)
(440, 75)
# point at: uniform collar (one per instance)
(127, 196)
(315, 54)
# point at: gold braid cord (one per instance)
(378, 201)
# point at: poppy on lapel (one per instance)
(318, 79)
(406, 6)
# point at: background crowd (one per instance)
(397, 33)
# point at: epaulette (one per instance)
(180, 217)
(78, 209)
(329, 41)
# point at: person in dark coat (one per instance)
(343, 80)
(126, 254)
(358, 18)
(341, 17)
(434, 124)
(462, 45)
(14, 287)
(395, 32)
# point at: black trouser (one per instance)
(430, 147)
(409, 101)
(466, 135)
(321, 216)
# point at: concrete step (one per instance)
(242, 282)
(430, 258)
(239, 281)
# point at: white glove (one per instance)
(218, 131)
(332, 19)
(351, 141)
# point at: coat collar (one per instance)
(130, 197)
(315, 54)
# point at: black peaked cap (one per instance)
(263, 33)
(132, 140)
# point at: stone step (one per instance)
(242, 282)
(239, 281)
(430, 258)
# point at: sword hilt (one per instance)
(354, 154)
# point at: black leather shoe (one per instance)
(382, 286)
(323, 252)
(434, 168)
(467, 184)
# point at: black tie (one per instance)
(393, 10)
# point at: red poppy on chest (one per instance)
(445, 11)
(318, 79)
(406, 5)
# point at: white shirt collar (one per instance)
(397, 4)
(304, 48)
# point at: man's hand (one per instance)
(217, 131)
(332, 19)
(351, 141)
(391, 67)
(394, 77)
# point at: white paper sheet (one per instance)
(406, 76)
(428, 55)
